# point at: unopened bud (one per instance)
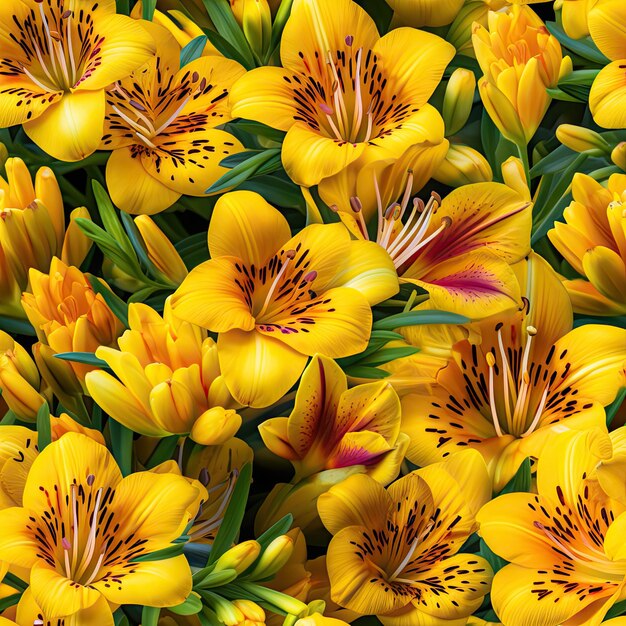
(255, 19)
(458, 100)
(582, 139)
(273, 558)
(618, 155)
(239, 557)
(463, 165)
(251, 610)
(514, 177)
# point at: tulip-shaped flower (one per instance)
(565, 544)
(458, 249)
(593, 242)
(58, 57)
(395, 552)
(343, 90)
(160, 124)
(530, 377)
(168, 380)
(519, 59)
(606, 20)
(81, 525)
(275, 300)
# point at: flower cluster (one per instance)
(312, 312)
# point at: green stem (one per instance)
(522, 150)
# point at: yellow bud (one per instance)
(215, 426)
(239, 557)
(119, 278)
(460, 31)
(251, 610)
(273, 558)
(76, 244)
(618, 155)
(255, 19)
(160, 250)
(514, 176)
(458, 100)
(4, 155)
(582, 139)
(463, 165)
(10, 290)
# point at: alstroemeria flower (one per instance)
(343, 90)
(565, 543)
(160, 124)
(81, 525)
(593, 242)
(58, 57)
(527, 377)
(275, 299)
(395, 552)
(458, 249)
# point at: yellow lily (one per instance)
(82, 524)
(519, 58)
(160, 124)
(608, 90)
(593, 242)
(167, 380)
(575, 16)
(565, 543)
(458, 249)
(343, 91)
(528, 377)
(68, 316)
(275, 300)
(32, 222)
(58, 59)
(394, 552)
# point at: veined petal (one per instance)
(258, 369)
(210, 297)
(265, 94)
(309, 157)
(359, 448)
(70, 129)
(607, 93)
(317, 27)
(606, 25)
(406, 53)
(276, 438)
(606, 271)
(15, 91)
(244, 225)
(146, 195)
(418, 13)
(588, 300)
(17, 542)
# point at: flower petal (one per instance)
(606, 25)
(607, 95)
(17, 541)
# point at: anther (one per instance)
(290, 254)
(325, 108)
(310, 276)
(204, 476)
(90, 479)
(195, 77)
(531, 330)
(66, 14)
(65, 543)
(356, 204)
(137, 105)
(202, 84)
(349, 40)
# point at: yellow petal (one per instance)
(276, 438)
(257, 369)
(215, 426)
(244, 225)
(607, 95)
(606, 271)
(574, 16)
(70, 129)
(588, 300)
(15, 92)
(418, 13)
(18, 544)
(146, 195)
(606, 25)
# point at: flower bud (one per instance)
(463, 165)
(252, 612)
(215, 426)
(160, 250)
(514, 176)
(10, 291)
(581, 139)
(458, 100)
(255, 19)
(273, 558)
(618, 155)
(460, 31)
(76, 244)
(239, 557)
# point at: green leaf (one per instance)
(619, 608)
(161, 555)
(380, 357)
(148, 8)
(163, 451)
(275, 530)
(150, 616)
(226, 25)
(522, 480)
(193, 50)
(229, 528)
(8, 601)
(123, 8)
(258, 129)
(418, 318)
(16, 327)
(122, 446)
(108, 214)
(261, 163)
(555, 161)
(115, 303)
(44, 431)
(613, 408)
(87, 358)
(362, 371)
(191, 606)
(489, 137)
(582, 47)
(282, 15)
(277, 191)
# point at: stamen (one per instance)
(96, 569)
(91, 539)
(216, 519)
(492, 399)
(289, 255)
(409, 555)
(358, 99)
(538, 413)
(357, 207)
(507, 376)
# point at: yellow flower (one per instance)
(463, 165)
(458, 249)
(593, 242)
(458, 100)
(58, 59)
(32, 222)
(527, 377)
(343, 91)
(82, 525)
(575, 16)
(519, 59)
(68, 316)
(565, 544)
(425, 12)
(20, 382)
(332, 426)
(276, 299)
(394, 553)
(160, 124)
(167, 380)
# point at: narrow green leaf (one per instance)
(161, 555)
(229, 529)
(122, 446)
(282, 15)
(417, 318)
(148, 8)
(108, 214)
(261, 163)
(362, 371)
(582, 47)
(150, 616)
(11, 600)
(123, 8)
(191, 606)
(522, 480)
(277, 529)
(258, 129)
(380, 357)
(193, 50)
(163, 451)
(232, 160)
(115, 303)
(16, 326)
(619, 608)
(556, 161)
(44, 431)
